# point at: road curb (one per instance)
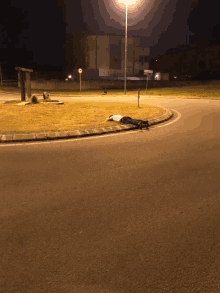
(168, 114)
(7, 138)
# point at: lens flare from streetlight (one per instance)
(130, 3)
(136, 9)
(127, 2)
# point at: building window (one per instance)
(141, 72)
(143, 59)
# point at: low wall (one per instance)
(9, 83)
(109, 84)
(87, 85)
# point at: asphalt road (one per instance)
(128, 212)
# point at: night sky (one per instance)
(165, 23)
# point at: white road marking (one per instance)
(85, 137)
(175, 120)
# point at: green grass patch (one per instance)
(46, 117)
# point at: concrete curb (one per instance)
(168, 114)
(6, 138)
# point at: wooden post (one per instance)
(22, 82)
(28, 84)
(24, 74)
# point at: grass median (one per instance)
(198, 91)
(47, 117)
(209, 90)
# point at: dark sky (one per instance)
(165, 23)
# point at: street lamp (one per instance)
(126, 2)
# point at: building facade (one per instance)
(105, 56)
(190, 60)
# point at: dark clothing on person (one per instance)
(128, 120)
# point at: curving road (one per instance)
(129, 212)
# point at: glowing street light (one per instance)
(126, 2)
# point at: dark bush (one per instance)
(207, 75)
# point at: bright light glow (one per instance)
(70, 76)
(131, 4)
(136, 10)
(156, 76)
(128, 2)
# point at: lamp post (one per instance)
(80, 72)
(126, 37)
(126, 3)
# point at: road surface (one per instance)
(130, 212)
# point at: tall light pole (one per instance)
(126, 3)
(126, 44)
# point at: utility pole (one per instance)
(126, 36)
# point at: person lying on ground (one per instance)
(128, 120)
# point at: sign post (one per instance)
(148, 72)
(80, 72)
(138, 96)
(1, 75)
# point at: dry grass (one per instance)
(203, 91)
(200, 91)
(69, 116)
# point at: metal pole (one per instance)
(126, 32)
(80, 82)
(1, 75)
(147, 82)
(138, 96)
